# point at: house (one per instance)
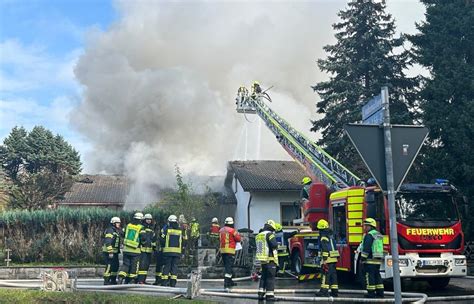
(265, 190)
(107, 191)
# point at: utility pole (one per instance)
(391, 196)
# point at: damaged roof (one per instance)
(98, 189)
(268, 175)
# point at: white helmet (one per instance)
(229, 221)
(115, 219)
(172, 218)
(148, 216)
(138, 216)
(215, 220)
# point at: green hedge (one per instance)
(61, 235)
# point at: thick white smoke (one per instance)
(159, 85)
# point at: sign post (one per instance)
(397, 287)
(388, 151)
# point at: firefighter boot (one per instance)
(379, 293)
(120, 281)
(165, 282)
(370, 294)
(334, 293)
(157, 281)
(323, 292)
(113, 280)
(106, 281)
(270, 296)
(227, 283)
(232, 283)
(173, 283)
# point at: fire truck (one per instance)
(431, 241)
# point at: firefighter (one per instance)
(328, 255)
(171, 240)
(183, 225)
(148, 245)
(214, 232)
(267, 255)
(306, 182)
(372, 255)
(111, 250)
(256, 89)
(131, 250)
(159, 262)
(283, 255)
(228, 237)
(195, 233)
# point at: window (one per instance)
(339, 223)
(376, 209)
(289, 212)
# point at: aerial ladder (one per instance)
(317, 162)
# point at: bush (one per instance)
(61, 235)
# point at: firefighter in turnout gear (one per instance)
(171, 240)
(195, 233)
(214, 233)
(306, 182)
(372, 254)
(148, 246)
(283, 255)
(160, 261)
(111, 250)
(228, 237)
(328, 255)
(267, 255)
(131, 250)
(256, 89)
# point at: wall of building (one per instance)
(264, 206)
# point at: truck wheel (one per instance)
(438, 283)
(296, 263)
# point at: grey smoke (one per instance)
(159, 84)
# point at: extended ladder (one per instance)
(322, 166)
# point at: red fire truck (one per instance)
(431, 241)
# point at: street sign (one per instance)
(372, 106)
(374, 119)
(369, 142)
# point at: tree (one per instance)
(445, 46)
(185, 201)
(363, 60)
(40, 166)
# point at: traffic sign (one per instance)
(374, 119)
(372, 106)
(369, 142)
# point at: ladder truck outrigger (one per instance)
(431, 241)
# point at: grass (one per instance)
(43, 297)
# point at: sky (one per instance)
(43, 42)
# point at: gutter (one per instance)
(248, 212)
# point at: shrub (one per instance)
(61, 235)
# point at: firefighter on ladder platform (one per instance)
(267, 255)
(328, 255)
(228, 238)
(148, 245)
(171, 240)
(111, 250)
(214, 233)
(131, 250)
(372, 255)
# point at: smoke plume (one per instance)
(159, 84)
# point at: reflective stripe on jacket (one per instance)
(328, 250)
(228, 237)
(266, 250)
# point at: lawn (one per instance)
(42, 297)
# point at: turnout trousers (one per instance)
(329, 280)
(143, 265)
(170, 270)
(266, 287)
(228, 260)
(373, 280)
(111, 268)
(129, 268)
(160, 261)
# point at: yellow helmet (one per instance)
(306, 180)
(256, 83)
(371, 222)
(271, 223)
(322, 224)
(278, 227)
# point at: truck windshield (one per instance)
(426, 207)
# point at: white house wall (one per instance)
(266, 205)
